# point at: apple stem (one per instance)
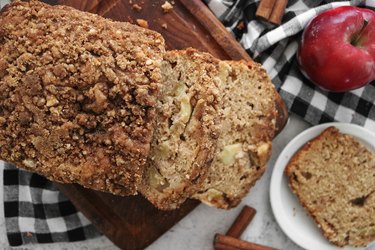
(355, 39)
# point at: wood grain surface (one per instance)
(132, 222)
(129, 222)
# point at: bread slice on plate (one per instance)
(186, 130)
(333, 177)
(77, 95)
(247, 126)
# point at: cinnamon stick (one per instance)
(278, 11)
(243, 219)
(265, 8)
(224, 242)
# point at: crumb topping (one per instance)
(77, 95)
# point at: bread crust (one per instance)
(78, 95)
(330, 227)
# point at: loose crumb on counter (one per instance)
(164, 26)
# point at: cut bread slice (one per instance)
(333, 177)
(247, 126)
(186, 134)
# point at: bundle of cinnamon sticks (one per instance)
(272, 10)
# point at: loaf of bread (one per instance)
(186, 134)
(247, 125)
(78, 95)
(100, 103)
(333, 177)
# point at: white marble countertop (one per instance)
(196, 230)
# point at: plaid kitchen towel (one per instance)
(276, 47)
(36, 212)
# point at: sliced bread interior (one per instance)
(186, 134)
(247, 125)
(333, 177)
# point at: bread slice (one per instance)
(333, 177)
(78, 95)
(186, 133)
(247, 113)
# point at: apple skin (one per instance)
(337, 50)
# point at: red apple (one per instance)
(337, 51)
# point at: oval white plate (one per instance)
(290, 215)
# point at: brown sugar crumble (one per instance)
(78, 95)
(167, 7)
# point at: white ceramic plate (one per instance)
(290, 215)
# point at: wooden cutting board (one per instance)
(132, 222)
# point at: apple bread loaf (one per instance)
(186, 134)
(247, 126)
(77, 95)
(333, 177)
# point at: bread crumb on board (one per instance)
(136, 7)
(164, 26)
(143, 23)
(167, 7)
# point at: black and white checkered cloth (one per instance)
(36, 212)
(275, 48)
